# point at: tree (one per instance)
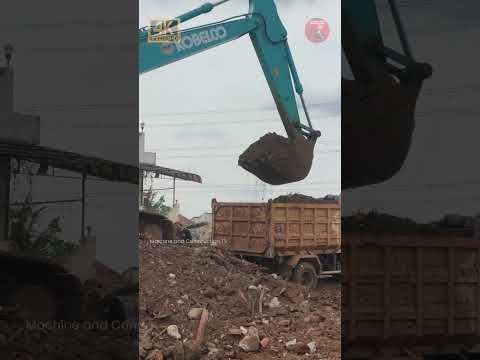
(28, 240)
(154, 202)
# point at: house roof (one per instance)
(108, 277)
(184, 221)
(97, 167)
(160, 170)
(152, 218)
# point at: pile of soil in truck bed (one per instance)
(177, 282)
(300, 198)
(381, 223)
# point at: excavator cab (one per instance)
(378, 104)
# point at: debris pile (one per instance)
(300, 198)
(381, 223)
(204, 303)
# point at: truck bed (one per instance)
(277, 229)
(410, 291)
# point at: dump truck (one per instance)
(299, 240)
(412, 293)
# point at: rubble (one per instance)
(265, 343)
(312, 346)
(231, 289)
(251, 341)
(172, 331)
(195, 313)
(274, 303)
(381, 223)
(300, 198)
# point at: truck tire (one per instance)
(285, 272)
(305, 274)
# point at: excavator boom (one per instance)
(274, 159)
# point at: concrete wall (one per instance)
(145, 157)
(15, 127)
(4, 198)
(174, 212)
(476, 226)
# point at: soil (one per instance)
(300, 198)
(277, 160)
(380, 223)
(175, 279)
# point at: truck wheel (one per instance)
(306, 275)
(35, 302)
(286, 272)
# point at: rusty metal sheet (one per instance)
(160, 170)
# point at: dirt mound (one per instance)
(277, 160)
(374, 222)
(300, 198)
(176, 281)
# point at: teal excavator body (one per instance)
(274, 159)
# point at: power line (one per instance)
(275, 116)
(224, 111)
(67, 107)
(224, 156)
(184, 148)
(223, 122)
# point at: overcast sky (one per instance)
(203, 111)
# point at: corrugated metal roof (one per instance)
(92, 166)
(160, 170)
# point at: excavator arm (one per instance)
(378, 105)
(273, 159)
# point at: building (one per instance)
(20, 143)
(153, 225)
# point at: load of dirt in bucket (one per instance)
(277, 160)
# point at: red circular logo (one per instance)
(317, 30)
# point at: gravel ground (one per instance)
(293, 323)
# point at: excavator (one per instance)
(378, 105)
(274, 159)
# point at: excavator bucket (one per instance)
(277, 160)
